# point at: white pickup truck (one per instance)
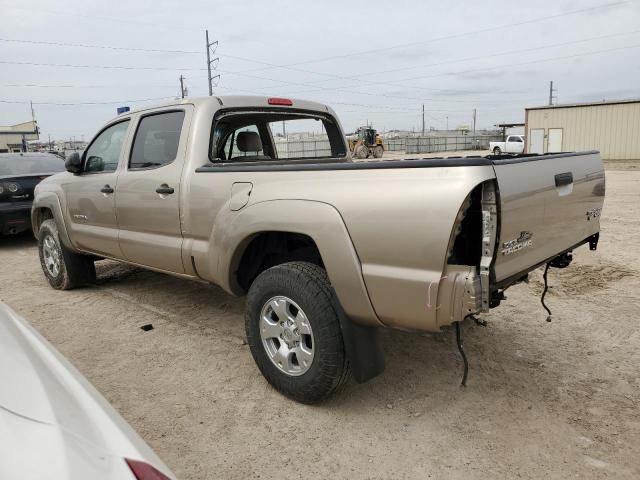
(514, 144)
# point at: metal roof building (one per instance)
(612, 127)
(12, 138)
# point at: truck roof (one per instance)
(241, 101)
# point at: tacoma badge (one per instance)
(513, 246)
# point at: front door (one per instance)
(148, 191)
(90, 199)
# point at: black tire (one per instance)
(74, 269)
(308, 286)
(497, 151)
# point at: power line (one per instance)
(462, 34)
(549, 59)
(102, 47)
(101, 18)
(288, 66)
(340, 77)
(116, 67)
(336, 88)
(122, 67)
(476, 57)
(565, 57)
(85, 103)
(38, 85)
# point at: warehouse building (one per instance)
(14, 138)
(612, 127)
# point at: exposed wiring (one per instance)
(465, 362)
(544, 292)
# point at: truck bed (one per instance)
(330, 164)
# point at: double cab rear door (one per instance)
(126, 202)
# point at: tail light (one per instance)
(279, 101)
(144, 471)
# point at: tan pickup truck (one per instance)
(326, 249)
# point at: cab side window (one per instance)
(104, 152)
(156, 141)
(515, 139)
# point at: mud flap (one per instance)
(362, 346)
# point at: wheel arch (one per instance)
(316, 226)
(47, 205)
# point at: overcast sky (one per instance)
(375, 61)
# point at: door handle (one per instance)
(165, 189)
(563, 179)
(106, 189)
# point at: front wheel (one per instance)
(63, 268)
(294, 332)
(378, 151)
(361, 152)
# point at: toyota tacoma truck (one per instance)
(512, 144)
(327, 250)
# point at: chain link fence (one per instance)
(320, 147)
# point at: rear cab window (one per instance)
(275, 135)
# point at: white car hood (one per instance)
(43, 394)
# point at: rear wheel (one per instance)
(63, 269)
(497, 151)
(378, 151)
(294, 332)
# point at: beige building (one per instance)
(612, 127)
(11, 137)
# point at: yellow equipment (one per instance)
(365, 143)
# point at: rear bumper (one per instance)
(15, 217)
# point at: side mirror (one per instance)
(94, 164)
(73, 163)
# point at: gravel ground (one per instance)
(544, 400)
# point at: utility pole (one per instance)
(423, 119)
(474, 121)
(211, 62)
(184, 92)
(551, 90)
(284, 129)
(447, 117)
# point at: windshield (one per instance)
(11, 165)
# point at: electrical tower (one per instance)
(212, 63)
(551, 95)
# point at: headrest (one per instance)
(248, 142)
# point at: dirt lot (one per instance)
(544, 400)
